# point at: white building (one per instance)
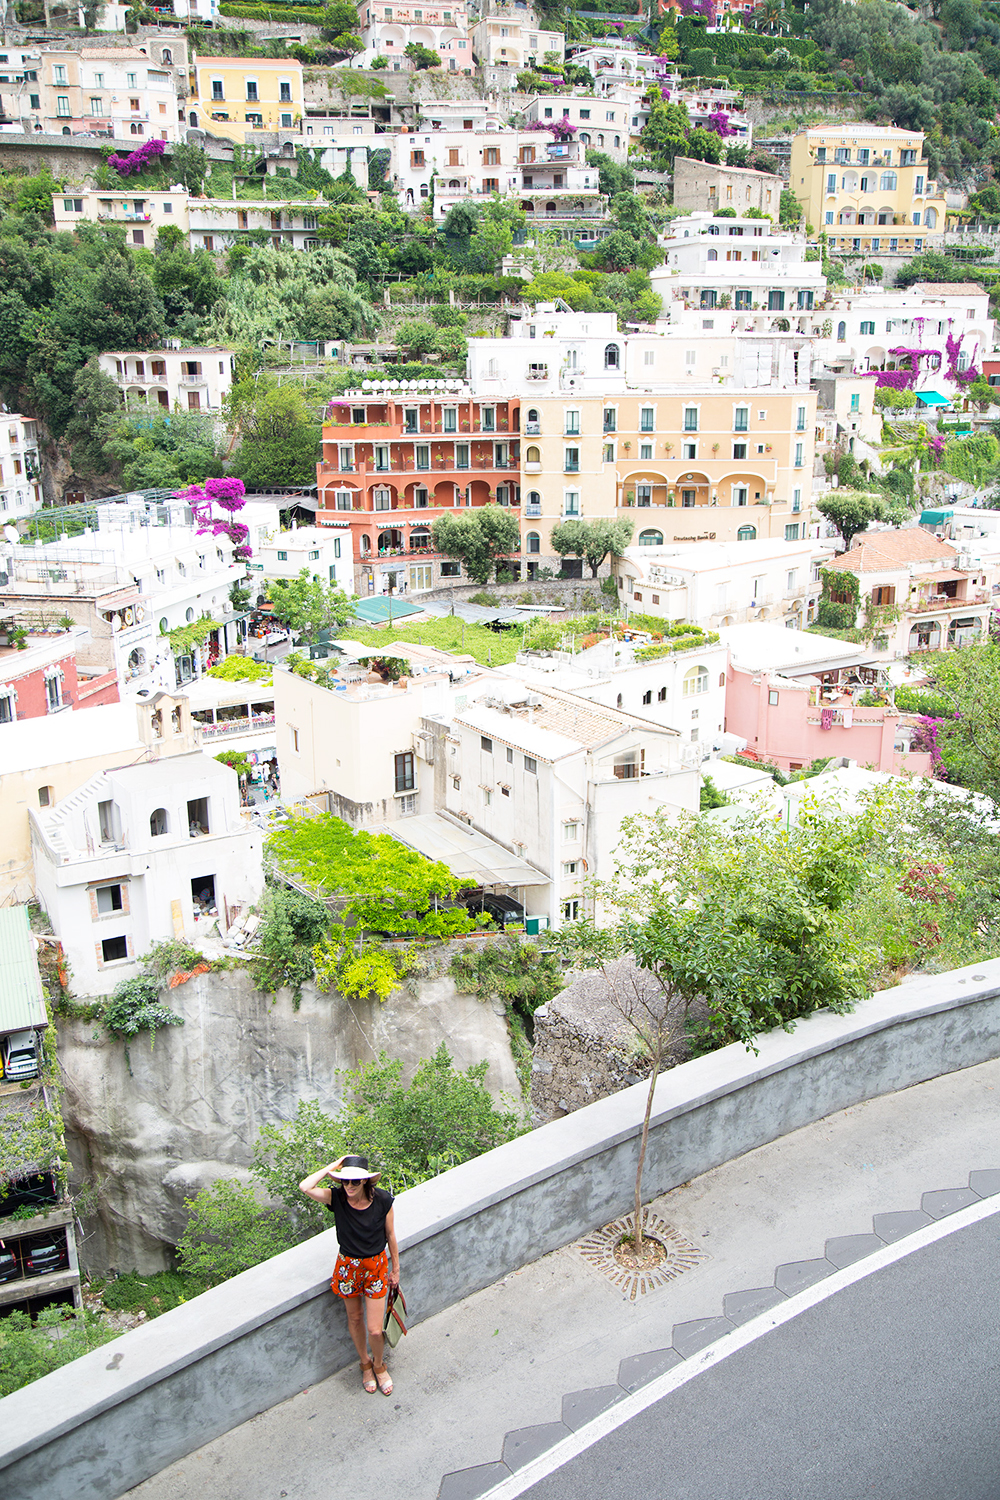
(550, 777)
(193, 379)
(549, 177)
(616, 64)
(137, 572)
(20, 491)
(388, 29)
(144, 853)
(716, 584)
(881, 330)
(318, 550)
(508, 37)
(744, 266)
(602, 123)
(680, 690)
(114, 91)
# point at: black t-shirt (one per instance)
(360, 1232)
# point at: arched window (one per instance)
(533, 455)
(619, 704)
(550, 208)
(713, 255)
(887, 182)
(366, 545)
(193, 119)
(747, 534)
(189, 615)
(159, 822)
(841, 332)
(585, 138)
(611, 357)
(534, 498)
(651, 539)
(930, 218)
(164, 626)
(695, 681)
(534, 542)
(166, 55)
(533, 415)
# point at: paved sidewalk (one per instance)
(504, 1358)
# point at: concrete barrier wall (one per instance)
(102, 1424)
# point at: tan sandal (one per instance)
(368, 1378)
(384, 1380)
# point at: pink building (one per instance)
(793, 697)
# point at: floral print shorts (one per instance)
(361, 1278)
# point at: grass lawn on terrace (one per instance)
(489, 647)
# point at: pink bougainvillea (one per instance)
(126, 166)
(703, 8)
(230, 495)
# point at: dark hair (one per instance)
(366, 1183)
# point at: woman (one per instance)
(363, 1214)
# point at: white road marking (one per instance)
(624, 1411)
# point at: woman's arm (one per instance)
(390, 1236)
(311, 1185)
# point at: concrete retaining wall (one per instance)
(102, 1424)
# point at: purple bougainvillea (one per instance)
(230, 495)
(127, 166)
(719, 122)
(953, 348)
(703, 8)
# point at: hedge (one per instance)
(251, 10)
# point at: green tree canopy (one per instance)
(591, 539)
(308, 605)
(279, 433)
(480, 537)
(850, 511)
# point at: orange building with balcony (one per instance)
(396, 456)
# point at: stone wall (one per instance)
(585, 1049)
(194, 1101)
(99, 1426)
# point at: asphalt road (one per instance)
(888, 1388)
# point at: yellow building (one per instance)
(233, 95)
(683, 463)
(866, 187)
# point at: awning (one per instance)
(942, 577)
(932, 398)
(470, 855)
(935, 517)
(379, 609)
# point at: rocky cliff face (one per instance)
(193, 1105)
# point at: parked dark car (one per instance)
(9, 1268)
(502, 909)
(35, 1191)
(44, 1257)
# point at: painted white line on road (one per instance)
(624, 1411)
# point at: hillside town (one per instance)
(498, 498)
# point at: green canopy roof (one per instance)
(376, 610)
(21, 1002)
(932, 398)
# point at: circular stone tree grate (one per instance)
(598, 1250)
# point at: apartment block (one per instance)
(38, 672)
(194, 379)
(508, 36)
(113, 91)
(141, 853)
(602, 123)
(683, 463)
(324, 552)
(144, 212)
(718, 584)
(20, 491)
(742, 266)
(867, 187)
(550, 178)
(395, 458)
(231, 96)
(910, 330)
(388, 29)
(699, 185)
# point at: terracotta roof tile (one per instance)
(882, 551)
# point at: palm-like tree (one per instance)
(769, 16)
